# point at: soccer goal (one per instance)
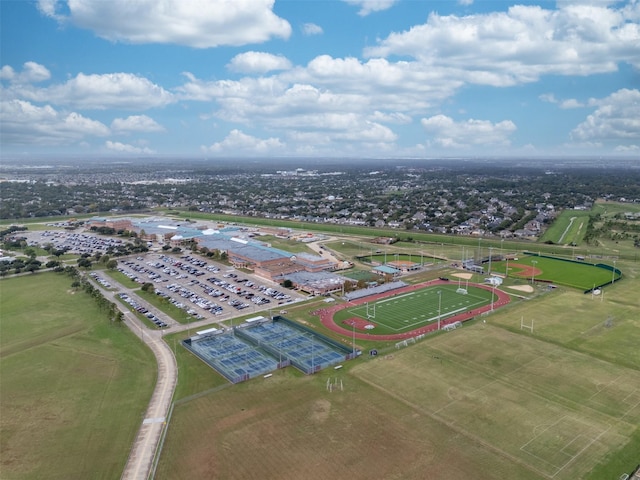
(452, 326)
(461, 290)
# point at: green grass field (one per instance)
(73, 387)
(572, 274)
(553, 410)
(569, 228)
(408, 311)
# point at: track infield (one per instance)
(410, 311)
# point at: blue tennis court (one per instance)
(254, 349)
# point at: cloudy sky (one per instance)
(339, 78)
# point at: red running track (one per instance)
(326, 314)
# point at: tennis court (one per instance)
(232, 357)
(257, 348)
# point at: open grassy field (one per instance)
(555, 411)
(292, 427)
(73, 386)
(408, 311)
(569, 228)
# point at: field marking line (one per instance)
(633, 407)
(396, 297)
(572, 459)
(466, 394)
(606, 386)
(568, 444)
(453, 426)
(538, 435)
(634, 392)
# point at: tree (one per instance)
(112, 264)
(147, 287)
(287, 283)
(84, 263)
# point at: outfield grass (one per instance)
(73, 387)
(573, 274)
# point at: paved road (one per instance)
(140, 461)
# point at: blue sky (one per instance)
(343, 78)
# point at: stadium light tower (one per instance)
(439, 307)
(353, 324)
(490, 248)
(493, 293)
(534, 263)
(613, 273)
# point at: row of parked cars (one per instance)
(140, 309)
(100, 280)
(192, 297)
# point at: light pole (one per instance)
(534, 263)
(490, 248)
(493, 293)
(353, 324)
(613, 273)
(439, 307)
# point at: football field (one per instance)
(410, 310)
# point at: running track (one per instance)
(326, 314)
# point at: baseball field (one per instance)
(492, 400)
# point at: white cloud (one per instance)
(25, 123)
(392, 117)
(617, 118)
(521, 44)
(571, 103)
(465, 2)
(258, 62)
(136, 123)
(194, 23)
(448, 133)
(126, 148)
(239, 143)
(312, 29)
(627, 148)
(113, 90)
(370, 6)
(32, 72)
(548, 97)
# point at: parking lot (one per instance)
(205, 289)
(72, 242)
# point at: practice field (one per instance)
(555, 411)
(292, 427)
(411, 311)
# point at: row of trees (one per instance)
(81, 282)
